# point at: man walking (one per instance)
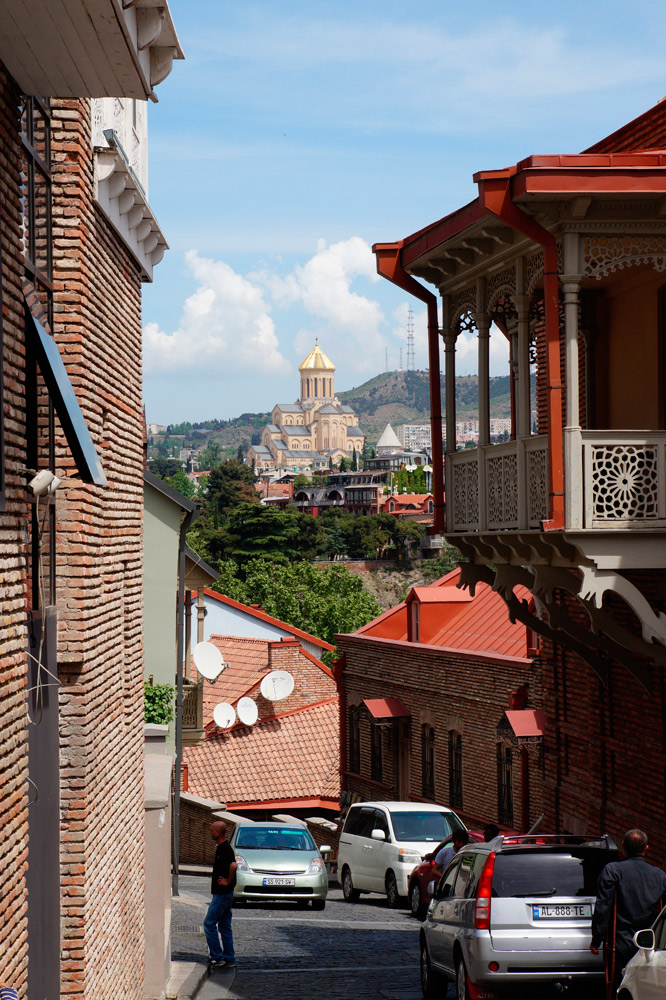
(218, 917)
(629, 897)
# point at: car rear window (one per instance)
(274, 839)
(545, 873)
(426, 826)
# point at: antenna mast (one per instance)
(410, 340)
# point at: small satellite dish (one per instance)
(277, 685)
(208, 660)
(247, 711)
(224, 715)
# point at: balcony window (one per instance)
(376, 768)
(455, 769)
(354, 740)
(504, 784)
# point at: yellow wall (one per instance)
(629, 362)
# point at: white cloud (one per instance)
(467, 353)
(225, 326)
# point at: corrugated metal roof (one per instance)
(648, 131)
(386, 708)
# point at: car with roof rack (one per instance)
(514, 912)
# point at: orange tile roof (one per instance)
(248, 662)
(261, 614)
(295, 755)
(454, 619)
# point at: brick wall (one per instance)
(97, 324)
(311, 683)
(13, 555)
(605, 760)
(445, 690)
(196, 816)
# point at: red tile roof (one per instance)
(295, 755)
(648, 131)
(259, 613)
(452, 618)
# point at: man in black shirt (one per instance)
(218, 917)
(630, 893)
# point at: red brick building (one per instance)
(565, 256)
(441, 702)
(71, 663)
(289, 759)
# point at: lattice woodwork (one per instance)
(461, 302)
(605, 254)
(500, 287)
(502, 489)
(465, 495)
(625, 482)
(537, 486)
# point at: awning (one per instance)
(386, 708)
(527, 721)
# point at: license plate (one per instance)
(279, 881)
(561, 911)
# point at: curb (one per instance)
(191, 986)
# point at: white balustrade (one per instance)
(624, 479)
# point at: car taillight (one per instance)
(482, 908)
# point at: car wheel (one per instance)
(393, 897)
(348, 891)
(462, 985)
(432, 983)
(318, 904)
(416, 904)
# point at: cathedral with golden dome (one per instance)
(315, 430)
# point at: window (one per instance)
(354, 740)
(504, 784)
(455, 769)
(381, 823)
(427, 762)
(375, 752)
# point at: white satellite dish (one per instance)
(208, 660)
(247, 710)
(277, 685)
(224, 715)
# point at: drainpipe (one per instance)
(389, 266)
(338, 674)
(495, 195)
(190, 516)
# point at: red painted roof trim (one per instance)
(256, 613)
(321, 803)
(322, 666)
(423, 647)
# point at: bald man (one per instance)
(218, 919)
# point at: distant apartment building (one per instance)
(414, 437)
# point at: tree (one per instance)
(239, 453)
(210, 456)
(181, 483)
(254, 530)
(230, 484)
(320, 600)
(354, 461)
(165, 467)
(343, 464)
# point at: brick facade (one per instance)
(450, 691)
(606, 742)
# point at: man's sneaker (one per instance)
(226, 964)
(216, 963)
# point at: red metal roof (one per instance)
(527, 721)
(386, 708)
(648, 131)
(261, 614)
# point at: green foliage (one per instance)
(210, 456)
(320, 600)
(283, 535)
(181, 483)
(230, 484)
(158, 700)
(165, 467)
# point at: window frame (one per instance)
(455, 769)
(376, 754)
(427, 761)
(504, 784)
(354, 740)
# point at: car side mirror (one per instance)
(644, 940)
(432, 889)
(378, 835)
(325, 849)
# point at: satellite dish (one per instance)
(247, 711)
(208, 660)
(224, 715)
(277, 685)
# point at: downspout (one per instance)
(190, 516)
(495, 195)
(389, 266)
(338, 673)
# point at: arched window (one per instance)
(505, 784)
(455, 769)
(354, 741)
(427, 762)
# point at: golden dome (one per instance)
(317, 361)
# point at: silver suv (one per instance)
(515, 910)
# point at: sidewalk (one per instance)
(193, 979)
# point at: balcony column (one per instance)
(483, 330)
(449, 334)
(201, 614)
(188, 633)
(573, 446)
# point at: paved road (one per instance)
(347, 952)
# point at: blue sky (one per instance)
(297, 134)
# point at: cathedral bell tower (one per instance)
(317, 376)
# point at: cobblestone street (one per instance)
(361, 952)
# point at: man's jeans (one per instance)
(219, 917)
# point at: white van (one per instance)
(381, 842)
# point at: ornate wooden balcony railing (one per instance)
(624, 479)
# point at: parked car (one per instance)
(381, 842)
(514, 911)
(645, 975)
(420, 879)
(278, 861)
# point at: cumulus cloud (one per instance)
(225, 325)
(467, 353)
